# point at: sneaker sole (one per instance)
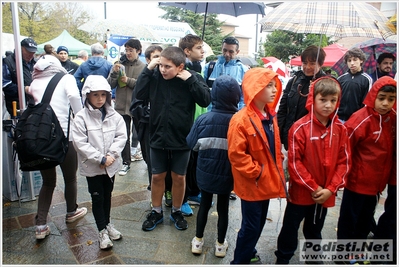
(196, 251)
(177, 227)
(152, 228)
(192, 202)
(42, 236)
(108, 246)
(114, 239)
(122, 173)
(77, 218)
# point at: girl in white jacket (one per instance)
(99, 136)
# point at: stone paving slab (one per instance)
(77, 243)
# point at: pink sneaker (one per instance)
(79, 213)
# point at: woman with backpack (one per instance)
(66, 95)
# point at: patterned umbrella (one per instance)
(119, 27)
(339, 19)
(372, 48)
(276, 65)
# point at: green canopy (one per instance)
(65, 39)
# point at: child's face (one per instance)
(384, 102)
(324, 106)
(97, 98)
(155, 54)
(168, 69)
(197, 53)
(268, 93)
(354, 64)
(131, 53)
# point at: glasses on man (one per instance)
(231, 40)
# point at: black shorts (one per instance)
(161, 159)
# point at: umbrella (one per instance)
(372, 49)
(338, 19)
(249, 61)
(228, 8)
(333, 53)
(118, 27)
(276, 65)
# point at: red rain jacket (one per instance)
(317, 155)
(372, 138)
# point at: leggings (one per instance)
(222, 208)
(68, 168)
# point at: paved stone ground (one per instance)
(77, 243)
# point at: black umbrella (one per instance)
(227, 8)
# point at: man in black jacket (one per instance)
(63, 54)
(10, 81)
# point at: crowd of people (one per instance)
(223, 129)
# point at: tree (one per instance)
(44, 21)
(284, 44)
(213, 33)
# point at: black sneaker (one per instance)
(153, 219)
(178, 219)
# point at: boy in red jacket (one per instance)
(318, 163)
(372, 134)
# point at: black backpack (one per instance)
(39, 139)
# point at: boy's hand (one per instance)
(153, 63)
(316, 191)
(116, 67)
(321, 196)
(184, 75)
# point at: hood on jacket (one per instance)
(371, 96)
(95, 62)
(46, 61)
(310, 104)
(225, 93)
(96, 83)
(255, 80)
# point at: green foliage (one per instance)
(283, 44)
(213, 33)
(44, 21)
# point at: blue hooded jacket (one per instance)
(93, 66)
(208, 136)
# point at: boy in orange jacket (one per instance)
(318, 163)
(254, 150)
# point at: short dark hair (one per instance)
(356, 53)
(388, 89)
(174, 54)
(189, 41)
(231, 40)
(151, 49)
(384, 56)
(310, 53)
(134, 43)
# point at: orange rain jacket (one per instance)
(257, 175)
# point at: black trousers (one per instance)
(356, 215)
(287, 241)
(100, 189)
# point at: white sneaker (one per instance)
(137, 156)
(79, 213)
(124, 170)
(113, 233)
(42, 232)
(196, 246)
(104, 240)
(220, 250)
